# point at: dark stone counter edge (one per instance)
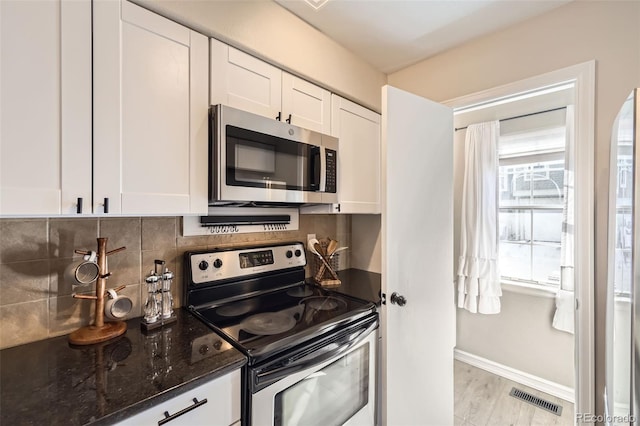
(161, 397)
(358, 283)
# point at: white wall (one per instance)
(606, 31)
(520, 337)
(272, 33)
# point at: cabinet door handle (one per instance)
(79, 206)
(106, 204)
(288, 120)
(168, 417)
(279, 116)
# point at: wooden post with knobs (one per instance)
(100, 330)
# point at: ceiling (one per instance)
(392, 34)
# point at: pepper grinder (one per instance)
(151, 311)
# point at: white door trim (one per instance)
(584, 77)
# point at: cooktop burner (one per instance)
(320, 303)
(234, 310)
(268, 323)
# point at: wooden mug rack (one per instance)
(99, 330)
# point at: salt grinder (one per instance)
(167, 298)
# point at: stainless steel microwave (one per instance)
(257, 159)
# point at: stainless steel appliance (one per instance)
(311, 352)
(259, 159)
(623, 297)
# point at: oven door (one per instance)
(332, 385)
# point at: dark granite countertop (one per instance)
(359, 283)
(49, 382)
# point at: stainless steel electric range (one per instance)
(311, 352)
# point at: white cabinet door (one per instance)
(358, 133)
(45, 107)
(244, 82)
(417, 260)
(247, 83)
(305, 104)
(221, 409)
(150, 112)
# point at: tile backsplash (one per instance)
(37, 303)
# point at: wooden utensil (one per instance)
(331, 247)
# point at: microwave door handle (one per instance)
(315, 168)
(317, 357)
(323, 169)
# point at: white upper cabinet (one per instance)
(305, 104)
(358, 132)
(245, 82)
(45, 107)
(150, 113)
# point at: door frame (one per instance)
(583, 75)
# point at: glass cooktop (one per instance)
(270, 323)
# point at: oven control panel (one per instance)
(237, 263)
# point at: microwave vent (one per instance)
(241, 220)
(244, 220)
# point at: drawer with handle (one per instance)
(216, 402)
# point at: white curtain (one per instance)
(478, 276)
(565, 298)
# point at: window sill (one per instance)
(529, 289)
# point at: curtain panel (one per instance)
(478, 277)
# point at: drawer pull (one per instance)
(168, 417)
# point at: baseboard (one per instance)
(564, 392)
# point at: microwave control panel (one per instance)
(332, 167)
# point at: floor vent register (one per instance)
(538, 402)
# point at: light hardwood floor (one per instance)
(482, 398)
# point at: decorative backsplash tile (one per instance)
(35, 300)
(67, 235)
(26, 281)
(23, 240)
(24, 322)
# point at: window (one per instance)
(531, 185)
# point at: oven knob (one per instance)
(289, 254)
(203, 265)
(298, 253)
(217, 263)
(203, 349)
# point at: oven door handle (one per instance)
(268, 376)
